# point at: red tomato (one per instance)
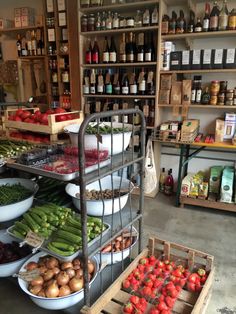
(60, 110)
(194, 278)
(134, 299)
(191, 286)
(148, 282)
(128, 308)
(44, 119)
(141, 267)
(146, 291)
(144, 261)
(61, 118)
(17, 118)
(154, 311)
(203, 279)
(165, 312)
(177, 273)
(152, 277)
(198, 286)
(161, 264)
(170, 302)
(19, 112)
(126, 284)
(26, 114)
(157, 271)
(169, 267)
(152, 259)
(162, 306)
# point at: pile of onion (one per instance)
(56, 278)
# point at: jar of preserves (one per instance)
(215, 87)
(122, 22)
(213, 100)
(223, 86)
(229, 94)
(221, 99)
(84, 23)
(130, 21)
(91, 22)
(229, 102)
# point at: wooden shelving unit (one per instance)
(121, 96)
(202, 35)
(113, 65)
(192, 106)
(19, 29)
(120, 31)
(199, 71)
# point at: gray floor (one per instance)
(207, 230)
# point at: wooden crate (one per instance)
(112, 301)
(53, 128)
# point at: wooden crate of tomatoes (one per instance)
(51, 122)
(165, 278)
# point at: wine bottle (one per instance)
(92, 82)
(105, 53)
(140, 48)
(198, 26)
(172, 23)
(33, 43)
(133, 84)
(108, 84)
(149, 53)
(112, 51)
(130, 49)
(114, 108)
(146, 17)
(95, 52)
(86, 83)
(116, 84)
(151, 118)
(206, 19)
(155, 16)
(88, 53)
(146, 111)
(125, 85)
(181, 23)
(191, 24)
(214, 18)
(142, 83)
(109, 21)
(125, 117)
(136, 117)
(223, 17)
(18, 45)
(100, 83)
(165, 24)
(150, 83)
(122, 56)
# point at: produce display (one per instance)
(13, 193)
(89, 153)
(57, 279)
(53, 191)
(124, 241)
(10, 252)
(218, 184)
(30, 136)
(9, 149)
(105, 194)
(159, 282)
(104, 129)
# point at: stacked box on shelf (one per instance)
(189, 130)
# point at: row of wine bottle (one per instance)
(130, 50)
(119, 82)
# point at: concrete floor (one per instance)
(207, 230)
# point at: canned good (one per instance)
(91, 23)
(84, 23)
(215, 87)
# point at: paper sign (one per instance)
(33, 239)
(28, 275)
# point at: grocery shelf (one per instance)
(19, 29)
(31, 57)
(200, 106)
(120, 30)
(199, 35)
(199, 71)
(120, 7)
(119, 96)
(112, 65)
(208, 204)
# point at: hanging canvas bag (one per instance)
(150, 179)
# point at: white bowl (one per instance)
(12, 211)
(116, 257)
(120, 140)
(59, 303)
(95, 207)
(9, 269)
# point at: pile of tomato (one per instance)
(159, 282)
(39, 117)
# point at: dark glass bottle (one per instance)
(130, 49)
(150, 83)
(100, 83)
(133, 84)
(112, 51)
(18, 45)
(142, 83)
(198, 26)
(191, 24)
(214, 17)
(206, 19)
(95, 52)
(172, 23)
(105, 53)
(116, 84)
(88, 54)
(125, 85)
(181, 23)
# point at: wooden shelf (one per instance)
(19, 29)
(199, 35)
(131, 5)
(111, 65)
(201, 106)
(199, 71)
(226, 145)
(31, 57)
(120, 30)
(207, 204)
(120, 96)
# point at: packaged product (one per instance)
(203, 190)
(196, 181)
(215, 178)
(186, 184)
(176, 93)
(186, 92)
(220, 130)
(227, 185)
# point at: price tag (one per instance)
(175, 111)
(28, 275)
(33, 239)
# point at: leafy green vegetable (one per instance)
(104, 129)
(10, 194)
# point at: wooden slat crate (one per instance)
(112, 301)
(53, 128)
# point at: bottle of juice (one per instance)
(169, 184)
(162, 180)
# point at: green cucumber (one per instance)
(58, 251)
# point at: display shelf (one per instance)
(121, 6)
(199, 35)
(31, 57)
(19, 29)
(120, 96)
(201, 106)
(120, 30)
(121, 65)
(207, 204)
(198, 71)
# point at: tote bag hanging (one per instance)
(150, 179)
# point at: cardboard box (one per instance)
(230, 125)
(18, 22)
(176, 93)
(186, 92)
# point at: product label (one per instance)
(142, 86)
(109, 89)
(130, 22)
(154, 17)
(218, 56)
(105, 56)
(62, 19)
(146, 19)
(95, 57)
(123, 57)
(92, 90)
(214, 22)
(186, 57)
(115, 23)
(206, 24)
(33, 239)
(230, 56)
(51, 35)
(196, 56)
(193, 95)
(198, 29)
(86, 89)
(100, 88)
(223, 22)
(61, 6)
(148, 56)
(125, 90)
(49, 5)
(133, 89)
(140, 57)
(198, 96)
(130, 57)
(165, 27)
(207, 56)
(146, 110)
(108, 25)
(112, 56)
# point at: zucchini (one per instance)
(69, 236)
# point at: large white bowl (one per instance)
(59, 303)
(120, 140)
(95, 207)
(116, 257)
(9, 269)
(12, 211)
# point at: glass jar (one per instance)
(91, 23)
(229, 94)
(138, 20)
(213, 100)
(232, 20)
(215, 87)
(122, 22)
(84, 23)
(223, 86)
(229, 102)
(65, 77)
(130, 21)
(221, 99)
